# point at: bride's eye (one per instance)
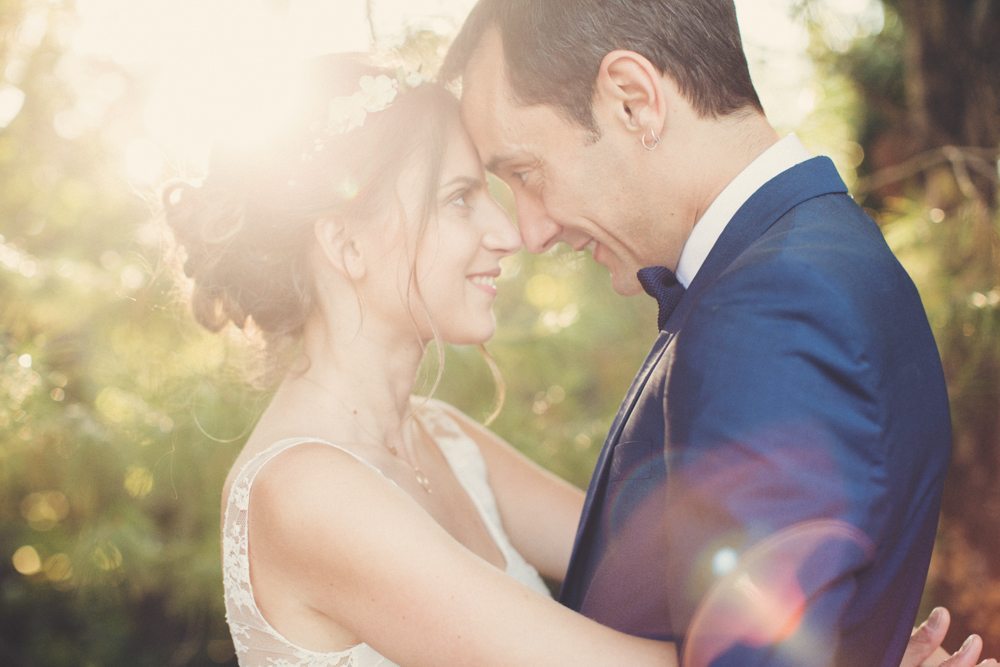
(459, 199)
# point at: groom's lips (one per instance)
(598, 255)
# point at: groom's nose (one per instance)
(538, 230)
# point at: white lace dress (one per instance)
(257, 643)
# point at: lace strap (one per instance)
(251, 632)
(253, 466)
(236, 564)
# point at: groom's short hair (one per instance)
(553, 49)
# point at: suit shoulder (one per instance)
(829, 252)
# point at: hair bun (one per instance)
(205, 221)
(179, 212)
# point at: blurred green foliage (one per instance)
(119, 418)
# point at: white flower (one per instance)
(413, 79)
(345, 114)
(349, 112)
(377, 92)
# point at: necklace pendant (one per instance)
(422, 479)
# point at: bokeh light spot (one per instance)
(27, 561)
(724, 561)
(58, 567)
(11, 101)
(138, 481)
(43, 510)
(544, 291)
(107, 557)
(348, 188)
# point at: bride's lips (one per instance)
(486, 281)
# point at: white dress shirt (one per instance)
(784, 154)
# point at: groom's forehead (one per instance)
(487, 108)
(484, 75)
(500, 128)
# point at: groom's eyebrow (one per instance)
(497, 161)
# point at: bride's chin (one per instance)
(476, 335)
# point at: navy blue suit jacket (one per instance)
(780, 455)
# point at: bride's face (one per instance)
(445, 274)
(457, 257)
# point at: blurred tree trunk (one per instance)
(952, 77)
(951, 107)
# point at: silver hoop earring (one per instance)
(650, 145)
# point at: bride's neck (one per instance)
(368, 375)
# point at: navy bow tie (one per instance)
(661, 284)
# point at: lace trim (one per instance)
(256, 641)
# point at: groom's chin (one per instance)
(627, 285)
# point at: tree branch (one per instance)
(983, 160)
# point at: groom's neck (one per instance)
(713, 151)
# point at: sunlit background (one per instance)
(119, 418)
(201, 63)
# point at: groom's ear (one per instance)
(340, 250)
(629, 91)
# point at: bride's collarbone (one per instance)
(448, 501)
(450, 504)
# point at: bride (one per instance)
(385, 528)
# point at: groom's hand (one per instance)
(924, 648)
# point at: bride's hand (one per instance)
(924, 648)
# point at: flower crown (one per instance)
(375, 94)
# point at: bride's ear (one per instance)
(629, 91)
(340, 249)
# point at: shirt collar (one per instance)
(781, 156)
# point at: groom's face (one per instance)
(568, 186)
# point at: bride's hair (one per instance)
(246, 230)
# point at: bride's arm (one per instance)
(362, 552)
(540, 511)
(542, 521)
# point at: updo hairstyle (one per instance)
(246, 231)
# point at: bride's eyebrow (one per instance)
(469, 182)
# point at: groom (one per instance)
(769, 490)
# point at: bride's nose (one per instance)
(501, 234)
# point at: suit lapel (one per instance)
(595, 490)
(810, 179)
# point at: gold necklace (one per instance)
(422, 479)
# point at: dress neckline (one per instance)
(446, 443)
